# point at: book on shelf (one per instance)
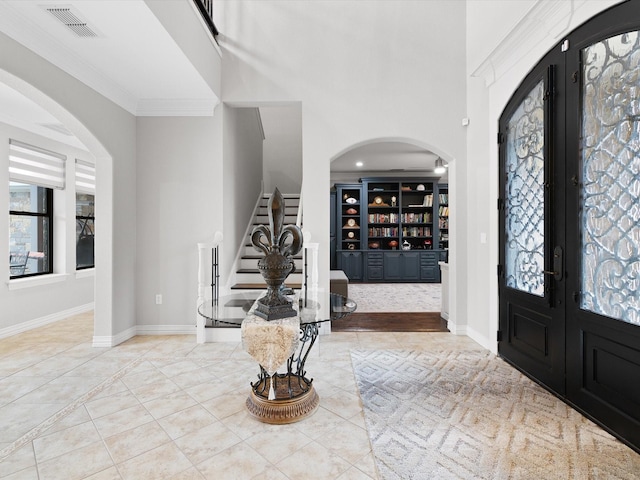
(443, 211)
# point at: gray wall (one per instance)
(178, 192)
(242, 173)
(109, 132)
(282, 148)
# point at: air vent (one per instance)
(72, 21)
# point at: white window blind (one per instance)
(35, 166)
(85, 177)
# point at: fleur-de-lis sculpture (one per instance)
(279, 243)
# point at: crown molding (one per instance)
(186, 107)
(541, 27)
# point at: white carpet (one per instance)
(396, 297)
(469, 415)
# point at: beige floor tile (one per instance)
(278, 442)
(155, 390)
(157, 464)
(105, 405)
(14, 387)
(122, 420)
(53, 445)
(77, 464)
(190, 474)
(74, 417)
(313, 462)
(348, 441)
(206, 442)
(239, 462)
(367, 464)
(174, 368)
(169, 404)
(187, 421)
(18, 419)
(59, 390)
(227, 404)
(110, 473)
(343, 403)
(22, 459)
(194, 377)
(30, 473)
(244, 425)
(130, 443)
(320, 423)
(354, 474)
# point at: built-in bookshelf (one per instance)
(399, 214)
(349, 228)
(387, 229)
(443, 216)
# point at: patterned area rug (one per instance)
(469, 415)
(396, 297)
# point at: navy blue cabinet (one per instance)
(373, 221)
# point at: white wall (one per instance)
(34, 305)
(361, 69)
(282, 148)
(178, 193)
(184, 23)
(503, 45)
(242, 174)
(108, 131)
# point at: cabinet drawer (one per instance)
(428, 259)
(374, 258)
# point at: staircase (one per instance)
(248, 276)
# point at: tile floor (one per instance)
(164, 407)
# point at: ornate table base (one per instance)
(286, 408)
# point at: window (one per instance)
(33, 174)
(85, 220)
(31, 235)
(85, 216)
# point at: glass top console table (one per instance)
(295, 396)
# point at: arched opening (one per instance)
(104, 197)
(404, 244)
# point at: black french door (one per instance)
(569, 273)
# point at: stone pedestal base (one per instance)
(282, 411)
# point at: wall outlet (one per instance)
(158, 299)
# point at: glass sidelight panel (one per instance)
(524, 199)
(610, 195)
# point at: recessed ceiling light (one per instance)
(359, 164)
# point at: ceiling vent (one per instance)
(70, 18)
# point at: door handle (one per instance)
(557, 264)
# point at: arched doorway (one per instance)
(401, 251)
(104, 196)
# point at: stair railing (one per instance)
(205, 7)
(299, 216)
(203, 259)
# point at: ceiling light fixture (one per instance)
(359, 164)
(439, 166)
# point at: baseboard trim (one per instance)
(47, 319)
(113, 340)
(165, 330)
(483, 340)
(457, 329)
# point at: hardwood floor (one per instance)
(391, 322)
